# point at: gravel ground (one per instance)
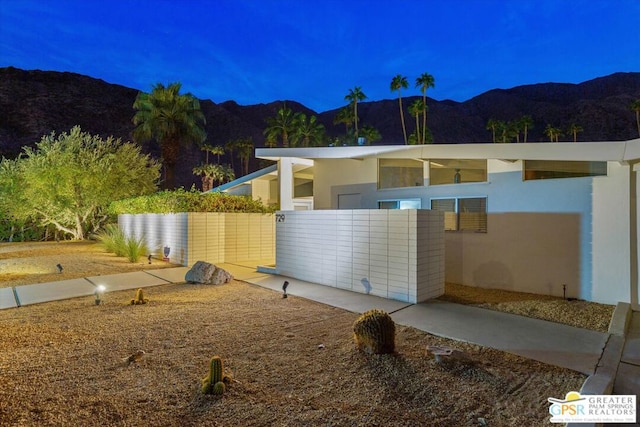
(293, 361)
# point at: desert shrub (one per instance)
(187, 201)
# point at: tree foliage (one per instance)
(280, 127)
(181, 200)
(67, 181)
(171, 119)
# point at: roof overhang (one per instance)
(620, 151)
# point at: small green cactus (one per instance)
(218, 388)
(139, 299)
(374, 332)
(213, 382)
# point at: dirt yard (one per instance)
(293, 361)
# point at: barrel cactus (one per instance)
(374, 332)
(213, 382)
(139, 299)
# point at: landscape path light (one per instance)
(99, 294)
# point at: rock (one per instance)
(220, 276)
(207, 273)
(201, 272)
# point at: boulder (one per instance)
(207, 273)
(220, 276)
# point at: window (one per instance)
(549, 169)
(463, 213)
(400, 204)
(396, 173)
(457, 171)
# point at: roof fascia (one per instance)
(620, 151)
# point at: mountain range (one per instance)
(34, 103)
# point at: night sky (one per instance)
(313, 52)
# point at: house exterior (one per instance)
(547, 218)
(263, 185)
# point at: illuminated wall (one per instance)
(211, 237)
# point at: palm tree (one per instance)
(573, 130)
(244, 147)
(493, 125)
(206, 172)
(309, 131)
(227, 173)
(526, 123)
(553, 133)
(514, 127)
(171, 119)
(230, 147)
(370, 134)
(397, 83)
(344, 115)
(635, 106)
(218, 150)
(425, 81)
(416, 109)
(353, 97)
(280, 126)
(221, 173)
(270, 143)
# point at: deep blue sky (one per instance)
(314, 51)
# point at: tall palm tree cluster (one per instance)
(291, 129)
(417, 109)
(502, 131)
(509, 131)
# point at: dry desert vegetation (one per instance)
(293, 361)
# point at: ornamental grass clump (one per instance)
(135, 248)
(113, 240)
(374, 332)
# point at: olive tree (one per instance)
(67, 181)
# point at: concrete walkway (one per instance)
(548, 342)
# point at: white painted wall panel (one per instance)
(388, 253)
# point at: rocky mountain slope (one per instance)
(35, 103)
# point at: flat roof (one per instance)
(621, 151)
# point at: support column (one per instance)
(285, 183)
(633, 238)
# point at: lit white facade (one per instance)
(574, 236)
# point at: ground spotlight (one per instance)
(284, 289)
(59, 267)
(99, 294)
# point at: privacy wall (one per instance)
(396, 254)
(211, 237)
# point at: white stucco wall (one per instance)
(392, 254)
(329, 173)
(541, 233)
(611, 236)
